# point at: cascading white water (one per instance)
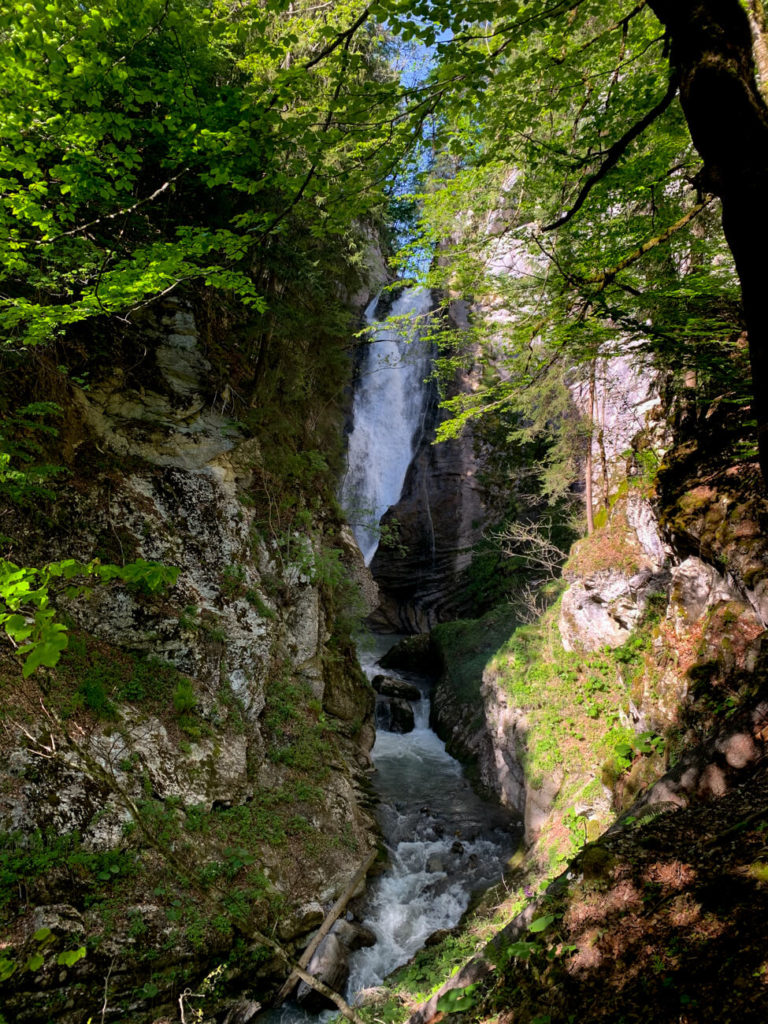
(387, 411)
(444, 843)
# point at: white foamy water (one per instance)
(387, 414)
(444, 843)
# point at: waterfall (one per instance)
(444, 842)
(387, 414)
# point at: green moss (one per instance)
(572, 700)
(97, 676)
(465, 645)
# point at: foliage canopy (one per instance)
(148, 144)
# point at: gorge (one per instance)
(384, 532)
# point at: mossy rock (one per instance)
(412, 654)
(596, 863)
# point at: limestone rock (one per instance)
(602, 610)
(390, 687)
(348, 695)
(240, 608)
(627, 399)
(487, 733)
(353, 935)
(361, 574)
(61, 918)
(723, 519)
(301, 921)
(173, 422)
(304, 624)
(642, 519)
(696, 587)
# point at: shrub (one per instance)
(184, 697)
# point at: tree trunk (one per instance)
(757, 23)
(711, 51)
(601, 444)
(590, 441)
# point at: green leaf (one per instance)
(35, 962)
(521, 950)
(7, 968)
(70, 956)
(17, 627)
(541, 923)
(457, 1000)
(46, 652)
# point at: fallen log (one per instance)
(298, 974)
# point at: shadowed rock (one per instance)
(394, 715)
(389, 687)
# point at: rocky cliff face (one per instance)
(659, 631)
(441, 515)
(192, 776)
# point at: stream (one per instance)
(444, 842)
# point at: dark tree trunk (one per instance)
(711, 51)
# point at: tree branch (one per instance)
(606, 276)
(343, 37)
(118, 213)
(615, 153)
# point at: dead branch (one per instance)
(532, 542)
(326, 926)
(606, 276)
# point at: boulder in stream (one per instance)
(394, 715)
(388, 686)
(414, 654)
(354, 935)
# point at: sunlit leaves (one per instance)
(535, 99)
(69, 957)
(149, 143)
(458, 1000)
(540, 924)
(26, 613)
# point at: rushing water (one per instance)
(444, 843)
(387, 416)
